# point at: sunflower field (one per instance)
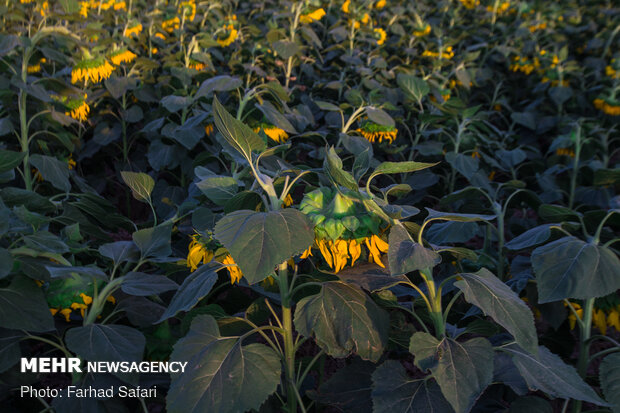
(368, 206)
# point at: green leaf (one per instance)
(52, 170)
(10, 351)
(414, 87)
(286, 49)
(405, 255)
(120, 251)
(333, 167)
(222, 375)
(572, 268)
(465, 165)
(470, 364)
(259, 241)
(348, 389)
(236, 133)
(141, 184)
(379, 116)
(142, 284)
(10, 159)
(370, 277)
(194, 288)
(23, 307)
(174, 103)
(344, 320)
(603, 177)
(326, 106)
(609, 374)
(531, 237)
(154, 242)
(548, 373)
(498, 301)
(394, 391)
(6, 262)
(525, 119)
(221, 83)
(556, 213)
(219, 189)
(401, 167)
(102, 342)
(453, 216)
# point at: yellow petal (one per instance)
(323, 247)
(355, 250)
(600, 321)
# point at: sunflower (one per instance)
(447, 53)
(197, 253)
(423, 30)
(380, 35)
(209, 129)
(187, 8)
(607, 106)
(375, 132)
(196, 65)
(276, 134)
(122, 56)
(315, 16)
(84, 8)
(94, 70)
(380, 4)
(345, 6)
(78, 109)
(470, 4)
(171, 24)
(36, 68)
(120, 5)
(133, 30)
(230, 35)
(233, 270)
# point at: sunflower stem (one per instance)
(289, 346)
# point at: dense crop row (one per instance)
(359, 206)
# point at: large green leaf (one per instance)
(370, 277)
(344, 320)
(142, 284)
(609, 374)
(379, 116)
(497, 300)
(395, 392)
(99, 342)
(547, 372)
(259, 241)
(462, 370)
(531, 237)
(219, 189)
(572, 268)
(52, 170)
(405, 255)
(141, 184)
(154, 242)
(10, 159)
(348, 389)
(194, 288)
(414, 87)
(222, 375)
(453, 216)
(333, 167)
(23, 307)
(236, 133)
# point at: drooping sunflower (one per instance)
(187, 8)
(203, 251)
(78, 109)
(227, 35)
(66, 295)
(341, 227)
(36, 68)
(196, 65)
(608, 106)
(171, 24)
(133, 29)
(93, 70)
(311, 17)
(375, 132)
(273, 132)
(122, 56)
